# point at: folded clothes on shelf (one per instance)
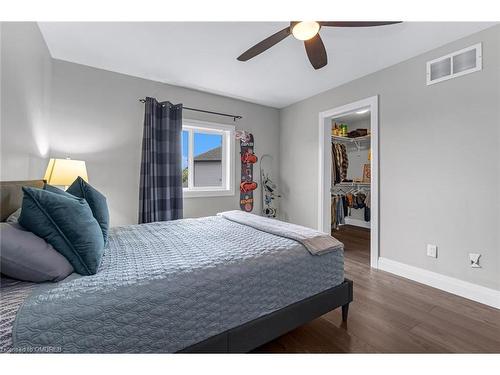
(357, 133)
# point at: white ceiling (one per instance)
(202, 55)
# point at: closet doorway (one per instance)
(348, 178)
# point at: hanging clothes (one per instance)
(368, 207)
(344, 203)
(357, 200)
(344, 162)
(339, 210)
(367, 213)
(335, 163)
(334, 213)
(340, 162)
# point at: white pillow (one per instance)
(14, 217)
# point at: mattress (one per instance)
(164, 286)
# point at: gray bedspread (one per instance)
(164, 286)
(316, 242)
(12, 295)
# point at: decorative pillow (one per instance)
(26, 257)
(56, 190)
(67, 224)
(97, 202)
(14, 217)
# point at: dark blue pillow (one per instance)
(97, 202)
(67, 224)
(56, 190)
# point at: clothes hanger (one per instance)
(339, 190)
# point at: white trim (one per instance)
(205, 193)
(479, 64)
(190, 158)
(357, 222)
(228, 163)
(325, 162)
(478, 293)
(206, 125)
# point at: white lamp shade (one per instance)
(65, 171)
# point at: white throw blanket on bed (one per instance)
(315, 241)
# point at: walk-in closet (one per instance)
(350, 185)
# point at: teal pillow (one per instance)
(67, 224)
(56, 190)
(97, 202)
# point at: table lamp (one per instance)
(62, 172)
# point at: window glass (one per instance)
(207, 169)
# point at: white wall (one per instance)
(439, 161)
(25, 98)
(96, 116)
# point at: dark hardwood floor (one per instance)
(391, 314)
(356, 242)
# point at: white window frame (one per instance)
(479, 64)
(227, 133)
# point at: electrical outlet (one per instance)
(432, 250)
(474, 260)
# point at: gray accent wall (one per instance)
(26, 70)
(96, 116)
(439, 161)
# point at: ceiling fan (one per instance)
(308, 31)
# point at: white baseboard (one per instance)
(357, 222)
(478, 293)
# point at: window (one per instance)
(207, 159)
(456, 64)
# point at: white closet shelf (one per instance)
(348, 184)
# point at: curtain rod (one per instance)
(235, 117)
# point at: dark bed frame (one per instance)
(255, 333)
(243, 338)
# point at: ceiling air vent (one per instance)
(456, 64)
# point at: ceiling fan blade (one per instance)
(265, 44)
(356, 23)
(316, 52)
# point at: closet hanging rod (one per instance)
(234, 117)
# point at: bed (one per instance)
(191, 285)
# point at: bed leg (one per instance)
(345, 312)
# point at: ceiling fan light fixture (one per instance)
(305, 30)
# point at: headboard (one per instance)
(11, 195)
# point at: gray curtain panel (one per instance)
(160, 192)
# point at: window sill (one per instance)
(207, 193)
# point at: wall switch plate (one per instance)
(432, 250)
(474, 260)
